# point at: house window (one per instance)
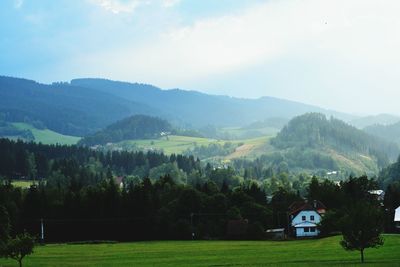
(312, 229)
(303, 218)
(312, 217)
(306, 229)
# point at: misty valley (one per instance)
(96, 159)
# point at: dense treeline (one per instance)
(31, 160)
(79, 195)
(165, 210)
(212, 150)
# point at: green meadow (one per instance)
(318, 252)
(176, 144)
(46, 136)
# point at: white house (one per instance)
(305, 216)
(397, 217)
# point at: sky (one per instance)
(339, 54)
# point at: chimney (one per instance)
(315, 204)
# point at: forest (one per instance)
(79, 195)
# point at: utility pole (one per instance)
(191, 223)
(41, 231)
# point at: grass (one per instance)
(320, 252)
(22, 184)
(241, 133)
(176, 144)
(47, 136)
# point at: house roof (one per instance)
(299, 206)
(397, 215)
(305, 224)
(277, 230)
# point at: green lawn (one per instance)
(177, 144)
(22, 184)
(322, 252)
(47, 136)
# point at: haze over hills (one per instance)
(382, 119)
(85, 106)
(388, 132)
(201, 109)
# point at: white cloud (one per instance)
(129, 6)
(119, 6)
(170, 3)
(18, 3)
(360, 38)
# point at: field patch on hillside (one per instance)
(175, 144)
(46, 136)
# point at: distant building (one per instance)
(397, 217)
(379, 194)
(119, 180)
(305, 216)
(277, 234)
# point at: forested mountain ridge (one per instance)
(199, 109)
(85, 106)
(131, 128)
(63, 108)
(311, 141)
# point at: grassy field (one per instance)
(22, 184)
(178, 144)
(321, 252)
(47, 136)
(242, 133)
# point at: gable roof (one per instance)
(298, 206)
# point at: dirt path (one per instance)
(240, 151)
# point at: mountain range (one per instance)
(84, 106)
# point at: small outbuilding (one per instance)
(276, 234)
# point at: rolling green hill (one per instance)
(315, 144)
(46, 136)
(316, 252)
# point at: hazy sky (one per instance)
(339, 54)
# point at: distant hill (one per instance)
(273, 122)
(388, 132)
(382, 119)
(199, 109)
(62, 107)
(331, 143)
(131, 128)
(85, 106)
